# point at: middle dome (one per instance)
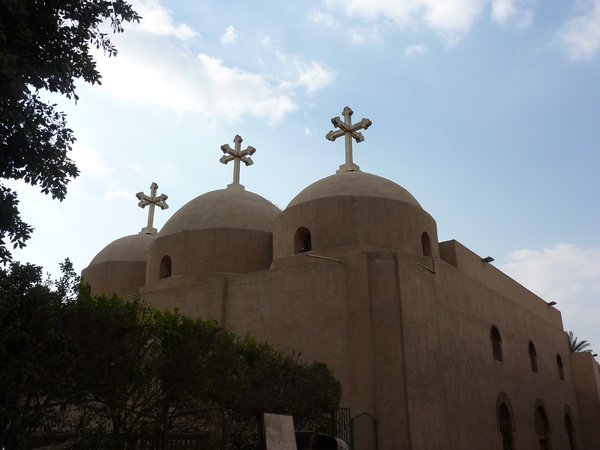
(350, 211)
(226, 231)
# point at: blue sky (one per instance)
(487, 111)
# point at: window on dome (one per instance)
(302, 240)
(533, 357)
(426, 244)
(165, 267)
(496, 343)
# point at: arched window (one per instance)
(165, 267)
(541, 427)
(533, 357)
(569, 428)
(426, 244)
(496, 343)
(559, 364)
(302, 240)
(505, 425)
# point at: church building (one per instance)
(434, 347)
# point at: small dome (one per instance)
(128, 248)
(224, 208)
(354, 184)
(120, 267)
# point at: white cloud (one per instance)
(563, 272)
(112, 193)
(156, 19)
(356, 35)
(525, 19)
(313, 75)
(201, 84)
(581, 34)
(567, 274)
(416, 49)
(450, 19)
(229, 36)
(518, 12)
(154, 71)
(362, 35)
(502, 11)
(308, 131)
(323, 18)
(88, 161)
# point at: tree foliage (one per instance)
(44, 46)
(105, 372)
(575, 345)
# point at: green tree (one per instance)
(44, 46)
(576, 345)
(30, 354)
(111, 354)
(106, 371)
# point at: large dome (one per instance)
(350, 211)
(354, 184)
(225, 208)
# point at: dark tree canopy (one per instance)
(44, 46)
(102, 372)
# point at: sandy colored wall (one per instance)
(228, 250)
(471, 265)
(410, 347)
(325, 309)
(116, 277)
(467, 309)
(298, 308)
(586, 374)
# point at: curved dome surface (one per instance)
(224, 208)
(128, 248)
(354, 184)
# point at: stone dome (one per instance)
(354, 184)
(353, 210)
(120, 267)
(224, 231)
(128, 248)
(225, 208)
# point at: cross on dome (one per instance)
(152, 200)
(349, 131)
(236, 155)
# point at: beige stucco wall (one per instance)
(473, 378)
(227, 250)
(115, 277)
(586, 374)
(410, 347)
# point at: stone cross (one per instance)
(349, 130)
(236, 155)
(152, 200)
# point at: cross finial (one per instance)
(236, 155)
(152, 200)
(349, 130)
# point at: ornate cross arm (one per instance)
(236, 155)
(151, 201)
(349, 131)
